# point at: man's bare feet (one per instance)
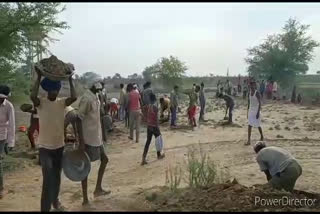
(101, 192)
(144, 162)
(58, 206)
(85, 202)
(247, 143)
(161, 156)
(130, 138)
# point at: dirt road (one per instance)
(292, 127)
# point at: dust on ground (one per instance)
(292, 127)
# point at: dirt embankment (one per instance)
(232, 197)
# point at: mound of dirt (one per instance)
(232, 197)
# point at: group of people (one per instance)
(52, 115)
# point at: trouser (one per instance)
(150, 132)
(287, 178)
(173, 116)
(244, 94)
(51, 163)
(202, 106)
(103, 128)
(127, 118)
(34, 126)
(2, 146)
(122, 112)
(107, 121)
(230, 113)
(135, 120)
(261, 93)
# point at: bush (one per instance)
(203, 172)
(173, 177)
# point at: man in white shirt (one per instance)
(7, 130)
(90, 137)
(51, 112)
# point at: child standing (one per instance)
(153, 127)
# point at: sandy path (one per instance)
(124, 174)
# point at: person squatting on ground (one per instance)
(7, 130)
(122, 110)
(174, 105)
(192, 109)
(253, 113)
(164, 107)
(51, 110)
(90, 137)
(153, 128)
(229, 105)
(114, 112)
(281, 168)
(134, 104)
(202, 100)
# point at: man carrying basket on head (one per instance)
(51, 110)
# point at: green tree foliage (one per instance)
(22, 25)
(283, 56)
(168, 70)
(89, 78)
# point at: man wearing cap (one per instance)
(7, 129)
(51, 110)
(90, 137)
(281, 168)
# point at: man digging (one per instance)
(281, 168)
(229, 105)
(90, 137)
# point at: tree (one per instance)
(168, 70)
(25, 27)
(117, 76)
(318, 72)
(133, 76)
(89, 78)
(283, 56)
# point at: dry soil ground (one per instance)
(295, 128)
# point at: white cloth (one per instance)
(67, 110)
(253, 110)
(7, 123)
(51, 121)
(89, 113)
(114, 100)
(275, 87)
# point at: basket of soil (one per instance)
(76, 165)
(54, 69)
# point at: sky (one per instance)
(109, 38)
